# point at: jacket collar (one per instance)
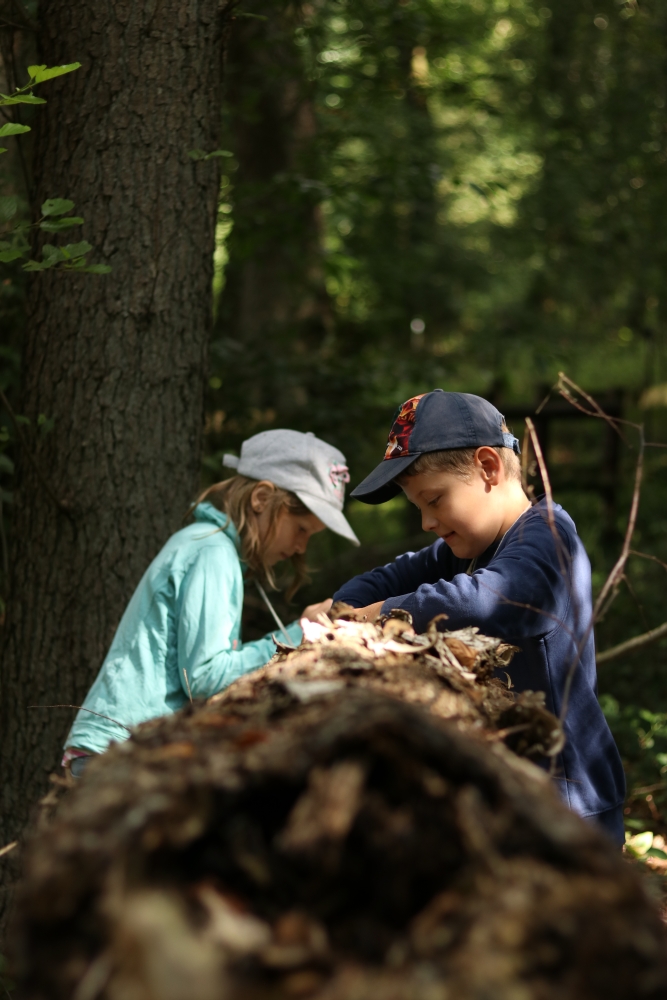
(208, 514)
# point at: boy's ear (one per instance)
(490, 463)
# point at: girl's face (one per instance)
(291, 534)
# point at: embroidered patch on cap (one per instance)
(339, 476)
(402, 427)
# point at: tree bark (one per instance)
(274, 290)
(116, 362)
(342, 823)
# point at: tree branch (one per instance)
(631, 645)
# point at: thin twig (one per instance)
(31, 458)
(646, 555)
(614, 577)
(8, 847)
(564, 386)
(525, 455)
(647, 790)
(546, 399)
(89, 710)
(276, 618)
(537, 448)
(187, 684)
(630, 645)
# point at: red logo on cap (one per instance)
(402, 428)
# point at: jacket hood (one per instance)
(208, 514)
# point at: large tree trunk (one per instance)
(274, 282)
(343, 824)
(116, 362)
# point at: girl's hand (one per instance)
(313, 610)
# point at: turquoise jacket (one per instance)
(184, 619)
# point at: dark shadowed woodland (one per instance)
(228, 216)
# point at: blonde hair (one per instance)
(459, 461)
(233, 497)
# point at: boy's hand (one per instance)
(313, 610)
(370, 613)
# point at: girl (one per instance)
(180, 636)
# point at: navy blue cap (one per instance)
(434, 421)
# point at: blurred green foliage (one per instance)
(457, 193)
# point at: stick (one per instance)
(263, 595)
(8, 847)
(630, 645)
(537, 448)
(187, 684)
(82, 709)
(617, 572)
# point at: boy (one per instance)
(501, 564)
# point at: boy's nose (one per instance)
(429, 523)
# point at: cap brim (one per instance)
(379, 486)
(329, 516)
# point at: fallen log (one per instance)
(351, 822)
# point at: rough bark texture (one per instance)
(117, 361)
(309, 833)
(274, 305)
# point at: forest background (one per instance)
(467, 194)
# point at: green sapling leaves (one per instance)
(56, 225)
(21, 99)
(38, 74)
(13, 128)
(9, 205)
(6, 256)
(57, 206)
(201, 154)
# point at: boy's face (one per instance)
(468, 514)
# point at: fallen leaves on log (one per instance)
(345, 824)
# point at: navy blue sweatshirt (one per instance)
(527, 567)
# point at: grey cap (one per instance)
(312, 469)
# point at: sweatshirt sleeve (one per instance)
(403, 575)
(208, 622)
(523, 591)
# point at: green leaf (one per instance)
(6, 464)
(57, 206)
(12, 128)
(8, 255)
(36, 265)
(98, 269)
(71, 250)
(57, 224)
(9, 205)
(49, 250)
(21, 99)
(41, 73)
(3, 149)
(201, 154)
